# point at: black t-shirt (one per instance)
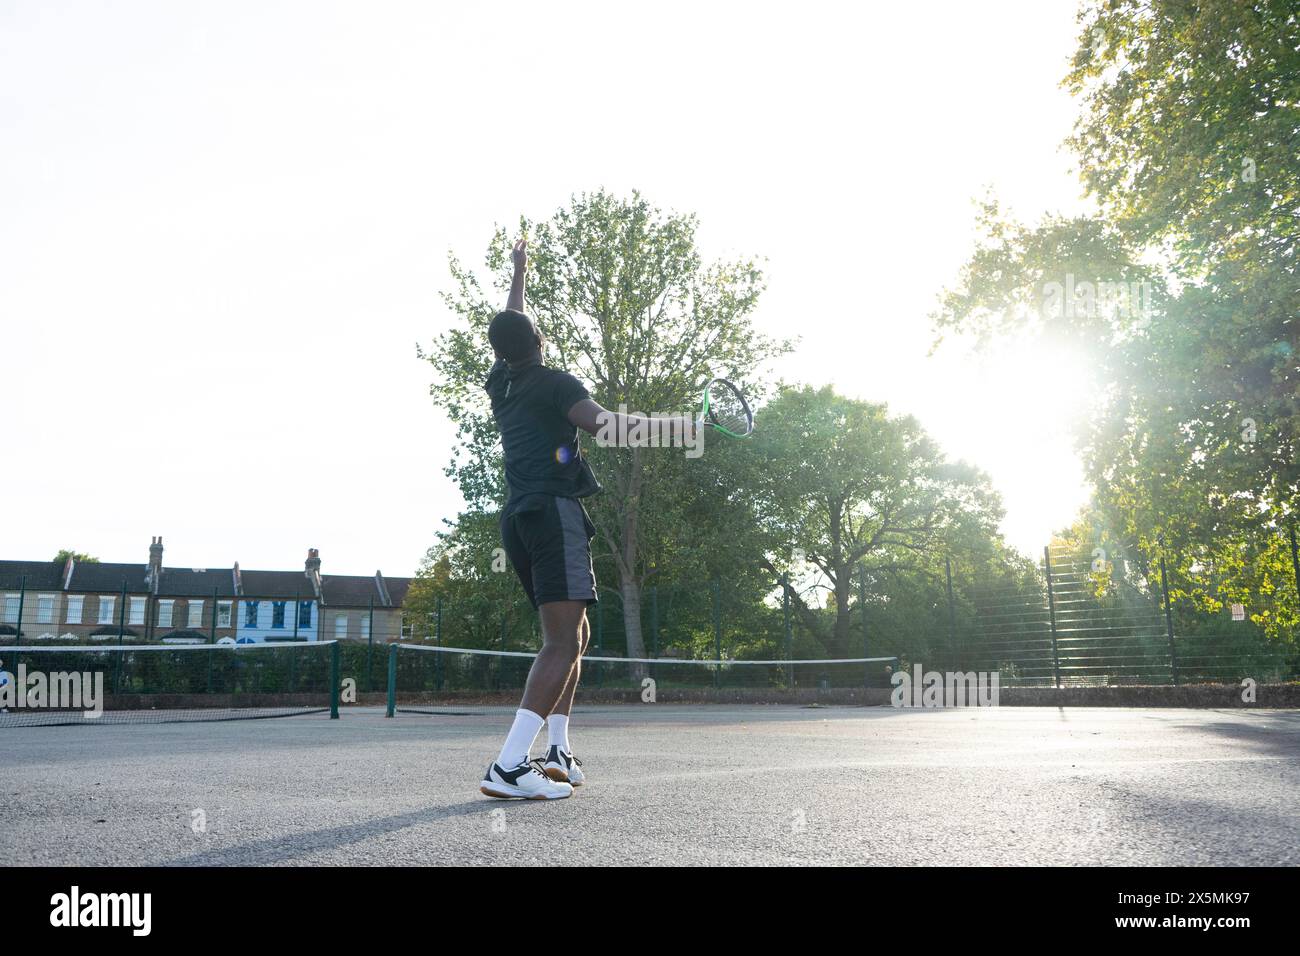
(531, 407)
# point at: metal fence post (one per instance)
(717, 632)
(334, 680)
(600, 641)
(18, 625)
(212, 635)
(1169, 620)
(370, 644)
(297, 597)
(392, 680)
(862, 600)
(1295, 563)
(952, 610)
(789, 631)
(654, 625)
(1051, 611)
(437, 642)
(121, 631)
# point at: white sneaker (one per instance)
(562, 765)
(525, 782)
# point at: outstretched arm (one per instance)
(519, 254)
(591, 417)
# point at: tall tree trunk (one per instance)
(629, 578)
(631, 591)
(843, 592)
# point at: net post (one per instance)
(212, 630)
(334, 680)
(392, 681)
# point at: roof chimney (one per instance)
(155, 563)
(313, 573)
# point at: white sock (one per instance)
(557, 731)
(520, 739)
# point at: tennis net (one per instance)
(165, 683)
(423, 675)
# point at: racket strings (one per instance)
(728, 410)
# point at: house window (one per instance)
(137, 610)
(45, 609)
(196, 614)
(11, 608)
(304, 613)
(223, 613)
(365, 627)
(340, 627)
(165, 611)
(250, 613)
(106, 604)
(75, 604)
(277, 614)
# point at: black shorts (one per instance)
(548, 541)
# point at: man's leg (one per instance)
(562, 632)
(564, 706)
(557, 723)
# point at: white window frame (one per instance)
(135, 610)
(76, 608)
(365, 627)
(225, 613)
(107, 608)
(45, 609)
(340, 627)
(166, 613)
(11, 609)
(194, 614)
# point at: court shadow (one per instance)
(294, 845)
(1273, 733)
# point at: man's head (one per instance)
(514, 337)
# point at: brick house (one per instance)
(94, 601)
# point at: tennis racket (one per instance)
(725, 408)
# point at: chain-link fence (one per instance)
(1071, 621)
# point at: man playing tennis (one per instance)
(547, 535)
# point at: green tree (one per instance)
(1187, 140)
(850, 491)
(80, 558)
(465, 575)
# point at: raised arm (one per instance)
(519, 254)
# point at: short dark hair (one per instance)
(513, 335)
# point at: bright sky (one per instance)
(225, 227)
